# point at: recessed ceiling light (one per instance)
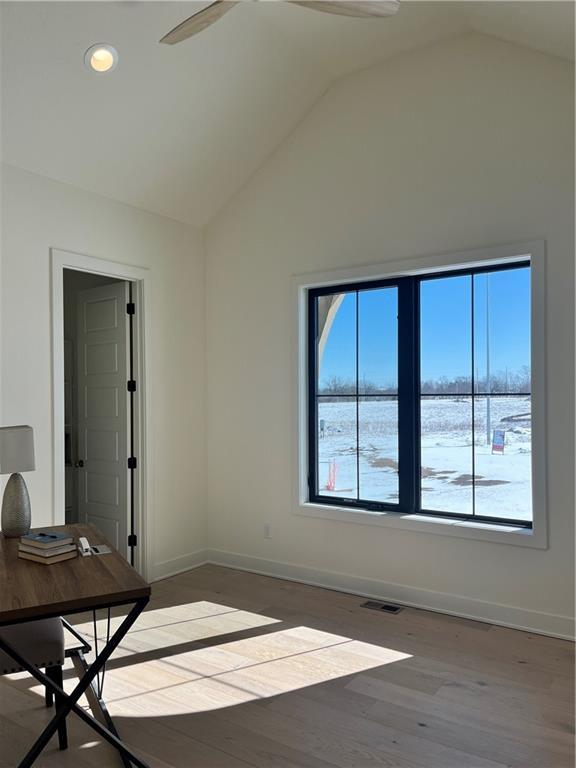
(101, 58)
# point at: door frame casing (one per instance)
(140, 278)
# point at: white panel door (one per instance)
(103, 446)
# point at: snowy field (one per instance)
(502, 480)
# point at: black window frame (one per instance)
(408, 394)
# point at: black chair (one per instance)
(41, 643)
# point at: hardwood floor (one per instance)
(229, 669)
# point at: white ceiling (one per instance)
(178, 130)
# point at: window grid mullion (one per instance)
(417, 395)
(357, 398)
(407, 424)
(473, 387)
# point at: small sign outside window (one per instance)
(498, 440)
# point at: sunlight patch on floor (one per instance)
(89, 745)
(159, 629)
(179, 624)
(239, 672)
(219, 675)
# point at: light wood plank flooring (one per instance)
(229, 670)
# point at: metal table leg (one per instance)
(94, 696)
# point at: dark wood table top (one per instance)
(30, 590)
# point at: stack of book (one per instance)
(47, 548)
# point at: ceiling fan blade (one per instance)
(361, 9)
(198, 21)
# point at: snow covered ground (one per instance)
(502, 481)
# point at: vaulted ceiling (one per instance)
(178, 130)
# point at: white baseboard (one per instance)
(441, 602)
(178, 565)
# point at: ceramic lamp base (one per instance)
(16, 517)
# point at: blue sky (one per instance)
(446, 337)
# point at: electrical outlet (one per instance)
(267, 531)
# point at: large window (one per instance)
(420, 395)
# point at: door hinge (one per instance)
(131, 386)
(132, 462)
(132, 540)
(131, 308)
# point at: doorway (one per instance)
(97, 408)
(100, 411)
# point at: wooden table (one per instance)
(30, 591)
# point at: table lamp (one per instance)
(16, 455)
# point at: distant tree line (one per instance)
(339, 386)
(502, 382)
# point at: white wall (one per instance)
(38, 214)
(460, 145)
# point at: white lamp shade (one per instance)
(16, 449)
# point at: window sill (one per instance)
(443, 526)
